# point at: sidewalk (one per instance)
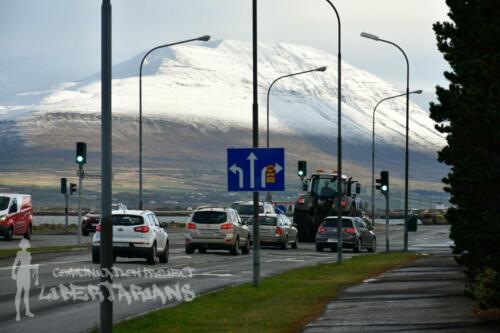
(424, 296)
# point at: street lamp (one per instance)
(373, 148)
(407, 152)
(321, 69)
(205, 38)
(339, 138)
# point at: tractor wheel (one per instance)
(305, 225)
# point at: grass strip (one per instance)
(283, 303)
(5, 253)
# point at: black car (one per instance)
(89, 223)
(356, 235)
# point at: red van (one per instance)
(16, 215)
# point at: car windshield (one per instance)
(264, 220)
(209, 217)
(247, 209)
(332, 223)
(127, 220)
(4, 203)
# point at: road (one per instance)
(204, 273)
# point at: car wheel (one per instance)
(202, 250)
(95, 255)
(189, 249)
(295, 244)
(357, 248)
(85, 233)
(319, 248)
(164, 256)
(284, 245)
(246, 249)
(373, 248)
(236, 247)
(10, 234)
(152, 255)
(27, 235)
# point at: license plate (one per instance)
(120, 244)
(331, 240)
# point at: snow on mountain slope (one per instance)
(210, 85)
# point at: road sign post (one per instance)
(255, 170)
(64, 191)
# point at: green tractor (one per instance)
(320, 201)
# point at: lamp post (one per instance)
(321, 69)
(203, 39)
(339, 137)
(373, 148)
(407, 152)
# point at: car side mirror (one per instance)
(295, 225)
(164, 225)
(370, 227)
(358, 188)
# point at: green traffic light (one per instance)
(79, 159)
(301, 173)
(384, 188)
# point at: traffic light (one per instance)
(81, 153)
(384, 182)
(64, 185)
(302, 169)
(72, 188)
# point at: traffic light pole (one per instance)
(387, 223)
(80, 184)
(66, 213)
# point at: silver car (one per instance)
(356, 234)
(276, 229)
(216, 228)
(245, 209)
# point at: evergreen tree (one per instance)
(468, 112)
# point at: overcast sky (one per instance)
(46, 42)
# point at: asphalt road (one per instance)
(202, 273)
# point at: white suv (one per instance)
(217, 228)
(136, 234)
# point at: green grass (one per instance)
(5, 253)
(283, 303)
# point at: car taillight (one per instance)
(98, 228)
(227, 226)
(343, 203)
(322, 230)
(191, 226)
(142, 228)
(279, 231)
(349, 230)
(300, 201)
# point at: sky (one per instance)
(44, 43)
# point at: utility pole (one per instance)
(106, 252)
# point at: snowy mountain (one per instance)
(210, 85)
(196, 96)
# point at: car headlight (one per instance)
(2, 217)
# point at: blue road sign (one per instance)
(255, 169)
(280, 209)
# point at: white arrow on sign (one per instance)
(277, 169)
(235, 169)
(252, 158)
